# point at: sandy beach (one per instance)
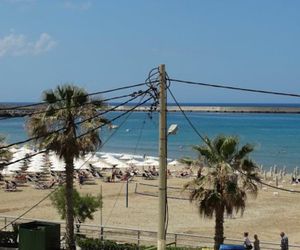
(267, 215)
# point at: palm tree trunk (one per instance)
(70, 242)
(219, 228)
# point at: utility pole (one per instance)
(162, 186)
(101, 214)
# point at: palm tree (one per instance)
(66, 106)
(230, 176)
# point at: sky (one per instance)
(100, 45)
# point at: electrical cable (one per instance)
(117, 198)
(184, 114)
(90, 94)
(77, 123)
(140, 134)
(235, 88)
(48, 195)
(62, 108)
(196, 131)
(115, 118)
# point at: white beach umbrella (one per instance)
(56, 163)
(116, 162)
(91, 158)
(81, 164)
(152, 162)
(132, 162)
(112, 160)
(174, 163)
(36, 163)
(101, 164)
(105, 155)
(15, 166)
(123, 165)
(148, 162)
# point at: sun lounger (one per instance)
(44, 185)
(10, 186)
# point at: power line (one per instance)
(62, 108)
(58, 130)
(127, 111)
(117, 198)
(202, 138)
(234, 88)
(90, 94)
(48, 195)
(184, 114)
(89, 131)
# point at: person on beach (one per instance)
(113, 174)
(80, 179)
(247, 242)
(256, 242)
(284, 245)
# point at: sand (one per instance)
(267, 215)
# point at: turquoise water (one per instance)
(276, 137)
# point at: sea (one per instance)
(275, 137)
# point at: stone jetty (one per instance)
(7, 111)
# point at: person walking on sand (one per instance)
(247, 242)
(284, 241)
(256, 242)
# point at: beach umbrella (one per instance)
(148, 162)
(112, 160)
(122, 165)
(174, 163)
(132, 162)
(81, 164)
(101, 164)
(14, 167)
(116, 162)
(36, 164)
(56, 163)
(91, 158)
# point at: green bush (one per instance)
(97, 244)
(83, 205)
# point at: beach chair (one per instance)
(44, 186)
(10, 186)
(148, 176)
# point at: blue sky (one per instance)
(104, 44)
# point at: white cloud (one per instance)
(17, 45)
(77, 5)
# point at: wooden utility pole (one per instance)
(162, 186)
(101, 214)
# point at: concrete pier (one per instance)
(6, 112)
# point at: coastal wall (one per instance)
(223, 109)
(6, 112)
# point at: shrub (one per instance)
(97, 244)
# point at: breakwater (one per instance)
(7, 111)
(223, 109)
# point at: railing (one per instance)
(144, 237)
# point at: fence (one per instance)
(144, 237)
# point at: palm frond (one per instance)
(228, 148)
(244, 151)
